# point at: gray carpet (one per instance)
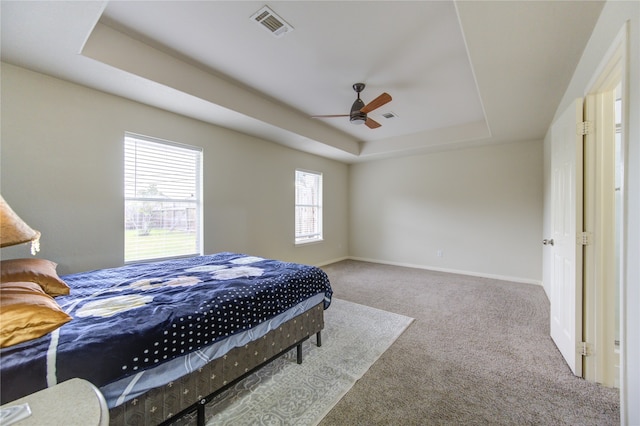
(285, 393)
(478, 353)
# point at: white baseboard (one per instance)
(451, 271)
(329, 262)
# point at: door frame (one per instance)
(602, 365)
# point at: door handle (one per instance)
(547, 242)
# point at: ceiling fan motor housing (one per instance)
(357, 116)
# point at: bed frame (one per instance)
(192, 392)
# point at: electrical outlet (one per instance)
(440, 253)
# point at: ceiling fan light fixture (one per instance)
(358, 117)
(359, 110)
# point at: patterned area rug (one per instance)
(285, 393)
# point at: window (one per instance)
(308, 207)
(162, 199)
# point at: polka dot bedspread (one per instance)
(136, 317)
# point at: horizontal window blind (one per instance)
(162, 191)
(308, 214)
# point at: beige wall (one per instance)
(62, 172)
(482, 207)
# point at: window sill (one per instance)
(305, 243)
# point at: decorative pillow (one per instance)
(27, 312)
(34, 270)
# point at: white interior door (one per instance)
(566, 284)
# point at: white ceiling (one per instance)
(460, 73)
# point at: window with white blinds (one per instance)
(162, 199)
(308, 207)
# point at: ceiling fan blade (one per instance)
(372, 124)
(376, 103)
(330, 116)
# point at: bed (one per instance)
(161, 339)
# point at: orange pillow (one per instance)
(27, 312)
(34, 270)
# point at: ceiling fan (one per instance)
(359, 110)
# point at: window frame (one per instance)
(197, 201)
(318, 234)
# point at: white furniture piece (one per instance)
(75, 402)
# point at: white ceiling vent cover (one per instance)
(271, 22)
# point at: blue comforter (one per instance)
(133, 318)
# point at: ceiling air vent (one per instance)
(271, 22)
(389, 115)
